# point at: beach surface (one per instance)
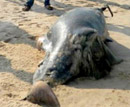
(19, 56)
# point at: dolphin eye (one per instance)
(75, 49)
(52, 69)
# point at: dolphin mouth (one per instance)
(59, 73)
(55, 72)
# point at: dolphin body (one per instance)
(75, 46)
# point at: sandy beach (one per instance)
(19, 56)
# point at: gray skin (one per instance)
(75, 46)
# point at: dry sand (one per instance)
(19, 57)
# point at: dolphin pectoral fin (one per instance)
(23, 99)
(39, 43)
(108, 40)
(42, 94)
(111, 57)
(43, 43)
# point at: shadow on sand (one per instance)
(41, 9)
(60, 9)
(119, 28)
(125, 6)
(20, 74)
(11, 33)
(119, 77)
